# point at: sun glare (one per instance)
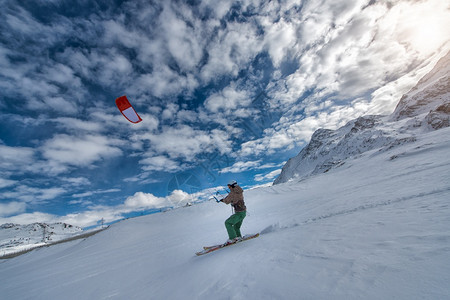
(428, 36)
(425, 26)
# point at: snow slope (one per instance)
(378, 227)
(15, 238)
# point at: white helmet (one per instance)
(232, 182)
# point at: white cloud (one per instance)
(241, 166)
(267, 177)
(279, 39)
(272, 141)
(76, 125)
(116, 32)
(184, 116)
(33, 194)
(185, 43)
(28, 73)
(142, 200)
(105, 65)
(160, 163)
(150, 122)
(339, 46)
(78, 151)
(15, 158)
(6, 182)
(22, 23)
(61, 74)
(76, 181)
(185, 142)
(113, 68)
(90, 193)
(143, 178)
(231, 50)
(349, 52)
(163, 82)
(158, 40)
(11, 208)
(217, 8)
(48, 102)
(230, 101)
(170, 111)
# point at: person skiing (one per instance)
(233, 223)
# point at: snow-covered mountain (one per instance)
(426, 107)
(431, 96)
(15, 238)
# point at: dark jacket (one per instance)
(236, 199)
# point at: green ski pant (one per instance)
(233, 224)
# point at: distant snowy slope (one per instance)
(425, 107)
(378, 227)
(15, 238)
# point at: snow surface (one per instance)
(377, 227)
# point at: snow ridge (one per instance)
(431, 94)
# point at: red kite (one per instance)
(127, 110)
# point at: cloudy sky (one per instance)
(226, 90)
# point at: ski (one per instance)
(219, 246)
(246, 237)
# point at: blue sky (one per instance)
(226, 90)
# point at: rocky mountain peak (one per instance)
(427, 106)
(431, 95)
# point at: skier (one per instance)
(233, 223)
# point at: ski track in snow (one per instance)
(277, 227)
